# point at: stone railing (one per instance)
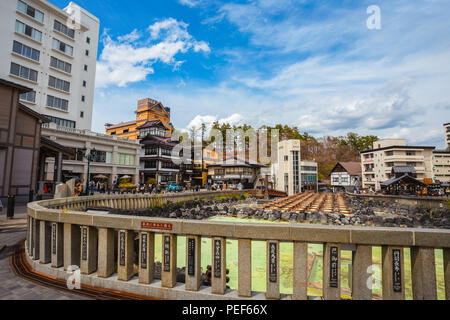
(60, 236)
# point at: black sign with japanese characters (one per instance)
(122, 248)
(217, 258)
(84, 243)
(53, 238)
(166, 253)
(191, 256)
(144, 251)
(273, 274)
(334, 265)
(397, 271)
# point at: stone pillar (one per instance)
(244, 267)
(146, 257)
(193, 263)
(45, 242)
(125, 264)
(88, 250)
(332, 271)
(36, 239)
(57, 244)
(105, 252)
(447, 272)
(30, 236)
(423, 271)
(300, 290)
(393, 273)
(273, 270)
(362, 271)
(219, 265)
(59, 161)
(72, 239)
(169, 263)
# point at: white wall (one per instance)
(8, 16)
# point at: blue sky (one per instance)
(313, 64)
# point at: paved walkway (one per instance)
(16, 288)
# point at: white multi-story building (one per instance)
(377, 163)
(54, 52)
(447, 135)
(290, 173)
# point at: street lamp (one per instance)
(90, 156)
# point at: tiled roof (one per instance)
(353, 168)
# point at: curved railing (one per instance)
(60, 236)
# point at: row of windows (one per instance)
(24, 72)
(29, 96)
(309, 168)
(57, 103)
(28, 31)
(61, 65)
(26, 51)
(126, 159)
(61, 122)
(61, 46)
(58, 26)
(30, 11)
(39, 16)
(58, 84)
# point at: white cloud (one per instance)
(127, 60)
(190, 3)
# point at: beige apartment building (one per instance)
(290, 173)
(115, 157)
(377, 163)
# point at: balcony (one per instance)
(403, 158)
(368, 160)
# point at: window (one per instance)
(60, 65)
(308, 168)
(166, 152)
(81, 114)
(58, 26)
(24, 72)
(87, 53)
(335, 179)
(286, 158)
(295, 165)
(84, 83)
(126, 130)
(410, 153)
(88, 40)
(389, 153)
(83, 98)
(126, 159)
(61, 46)
(29, 96)
(62, 122)
(100, 156)
(57, 103)
(151, 151)
(113, 133)
(150, 164)
(58, 84)
(26, 51)
(30, 11)
(85, 67)
(28, 31)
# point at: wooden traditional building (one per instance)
(147, 110)
(157, 162)
(20, 139)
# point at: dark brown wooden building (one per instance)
(20, 136)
